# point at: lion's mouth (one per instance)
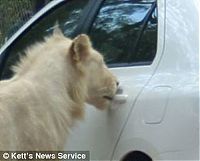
(108, 98)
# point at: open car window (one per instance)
(67, 16)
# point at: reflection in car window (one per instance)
(67, 16)
(120, 33)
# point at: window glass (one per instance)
(67, 16)
(125, 31)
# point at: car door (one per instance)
(129, 36)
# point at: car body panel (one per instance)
(155, 114)
(101, 130)
(177, 135)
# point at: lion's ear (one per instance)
(80, 47)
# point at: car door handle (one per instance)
(120, 98)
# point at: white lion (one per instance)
(48, 91)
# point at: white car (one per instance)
(152, 47)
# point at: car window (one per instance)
(67, 16)
(125, 31)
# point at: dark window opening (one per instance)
(67, 16)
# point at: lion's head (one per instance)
(101, 83)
